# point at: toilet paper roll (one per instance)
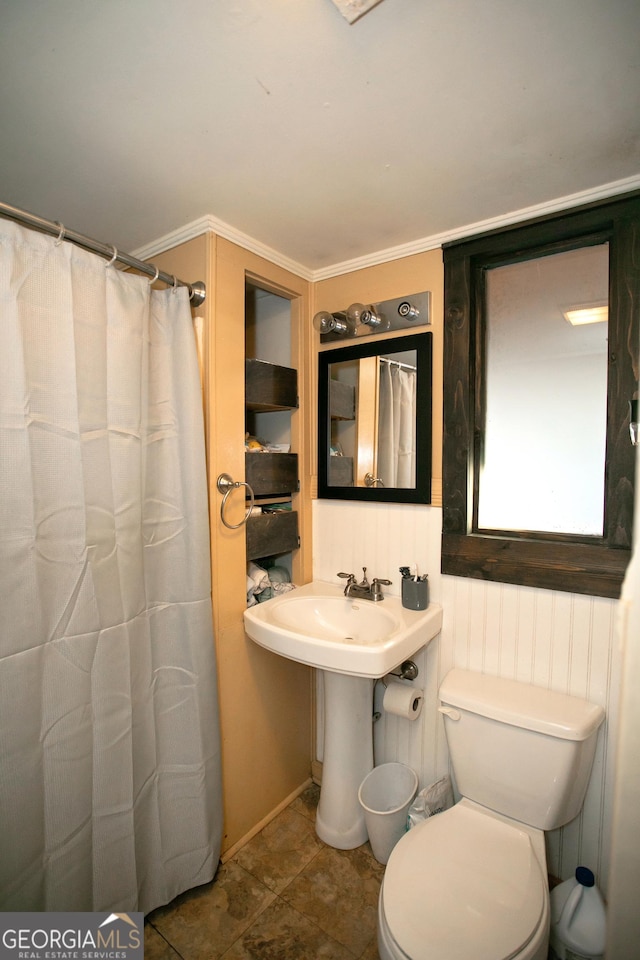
(402, 700)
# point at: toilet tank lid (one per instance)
(521, 704)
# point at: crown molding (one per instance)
(210, 223)
(482, 226)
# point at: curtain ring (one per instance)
(114, 257)
(175, 282)
(60, 236)
(153, 279)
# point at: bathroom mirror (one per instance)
(374, 421)
(581, 454)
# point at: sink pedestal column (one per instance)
(348, 758)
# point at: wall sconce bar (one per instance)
(361, 320)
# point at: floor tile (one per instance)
(281, 850)
(284, 896)
(281, 933)
(156, 947)
(307, 802)
(202, 923)
(339, 891)
(371, 953)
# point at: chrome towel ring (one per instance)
(225, 486)
(370, 480)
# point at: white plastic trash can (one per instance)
(385, 795)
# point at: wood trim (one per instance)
(243, 841)
(594, 570)
(594, 567)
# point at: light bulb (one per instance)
(408, 311)
(358, 313)
(371, 318)
(325, 322)
(354, 312)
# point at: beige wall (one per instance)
(265, 701)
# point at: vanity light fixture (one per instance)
(363, 319)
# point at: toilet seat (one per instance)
(465, 885)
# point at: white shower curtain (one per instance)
(110, 790)
(397, 426)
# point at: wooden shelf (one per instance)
(270, 474)
(341, 471)
(269, 386)
(342, 401)
(272, 533)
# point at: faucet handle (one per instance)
(347, 576)
(376, 592)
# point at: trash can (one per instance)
(385, 795)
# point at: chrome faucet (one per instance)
(363, 590)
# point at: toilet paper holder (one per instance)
(406, 671)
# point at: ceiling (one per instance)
(322, 140)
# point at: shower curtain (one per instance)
(397, 426)
(110, 788)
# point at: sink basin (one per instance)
(317, 625)
(353, 642)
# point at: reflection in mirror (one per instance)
(543, 465)
(375, 421)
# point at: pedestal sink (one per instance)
(353, 642)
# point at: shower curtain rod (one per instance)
(197, 290)
(397, 363)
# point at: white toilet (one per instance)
(471, 883)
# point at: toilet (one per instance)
(471, 883)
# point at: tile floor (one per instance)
(284, 896)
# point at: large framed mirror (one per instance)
(374, 421)
(541, 367)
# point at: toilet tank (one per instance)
(519, 750)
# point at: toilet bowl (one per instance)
(465, 885)
(471, 883)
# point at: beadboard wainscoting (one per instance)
(566, 642)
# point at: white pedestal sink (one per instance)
(353, 642)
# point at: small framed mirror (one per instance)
(374, 421)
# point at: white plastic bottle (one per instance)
(578, 919)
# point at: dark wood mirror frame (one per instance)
(587, 565)
(421, 493)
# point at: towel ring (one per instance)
(225, 486)
(370, 480)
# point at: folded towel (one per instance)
(259, 576)
(257, 581)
